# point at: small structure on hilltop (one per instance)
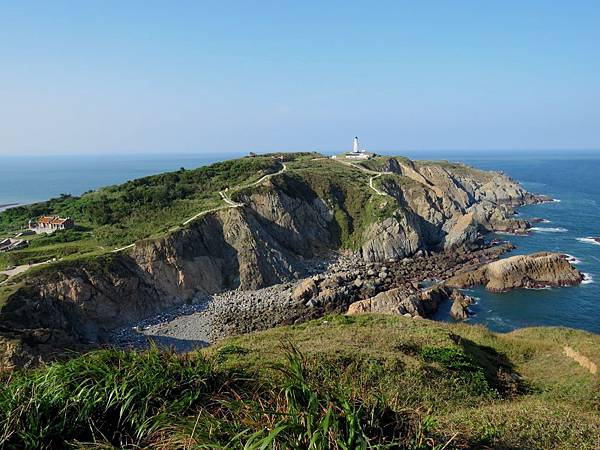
(50, 224)
(357, 152)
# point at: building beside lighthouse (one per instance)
(357, 152)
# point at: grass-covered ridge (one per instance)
(120, 215)
(116, 217)
(346, 192)
(339, 382)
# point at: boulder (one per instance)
(522, 271)
(460, 305)
(398, 301)
(305, 290)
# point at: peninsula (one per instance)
(300, 248)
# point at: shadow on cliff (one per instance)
(498, 369)
(311, 233)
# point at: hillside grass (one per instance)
(346, 191)
(119, 215)
(338, 382)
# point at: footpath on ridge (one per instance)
(229, 203)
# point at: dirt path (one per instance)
(231, 203)
(583, 361)
(369, 171)
(373, 187)
(228, 202)
(19, 269)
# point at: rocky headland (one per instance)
(319, 219)
(538, 270)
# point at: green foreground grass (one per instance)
(339, 382)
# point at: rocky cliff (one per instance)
(522, 271)
(315, 207)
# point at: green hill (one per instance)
(338, 382)
(120, 215)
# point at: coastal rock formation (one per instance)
(460, 305)
(420, 304)
(522, 271)
(395, 301)
(285, 223)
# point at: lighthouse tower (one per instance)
(355, 148)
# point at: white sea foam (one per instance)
(549, 229)
(587, 278)
(556, 200)
(572, 259)
(588, 240)
(506, 233)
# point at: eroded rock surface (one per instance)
(522, 271)
(286, 226)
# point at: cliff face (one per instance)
(284, 222)
(521, 271)
(443, 206)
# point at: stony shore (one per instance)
(339, 282)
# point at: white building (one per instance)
(357, 152)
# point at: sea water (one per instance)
(573, 179)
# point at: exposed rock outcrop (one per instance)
(522, 271)
(284, 223)
(420, 304)
(395, 301)
(460, 305)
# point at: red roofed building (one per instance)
(50, 224)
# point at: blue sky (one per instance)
(224, 76)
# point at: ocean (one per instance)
(572, 178)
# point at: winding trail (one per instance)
(19, 269)
(377, 191)
(229, 203)
(369, 171)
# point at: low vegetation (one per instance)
(355, 206)
(339, 382)
(120, 215)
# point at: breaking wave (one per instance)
(572, 259)
(589, 240)
(549, 229)
(587, 278)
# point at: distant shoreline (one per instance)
(8, 205)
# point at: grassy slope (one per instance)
(148, 207)
(353, 382)
(355, 206)
(382, 351)
(120, 215)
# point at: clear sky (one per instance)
(221, 76)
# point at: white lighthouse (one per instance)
(355, 148)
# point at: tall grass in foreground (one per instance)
(161, 400)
